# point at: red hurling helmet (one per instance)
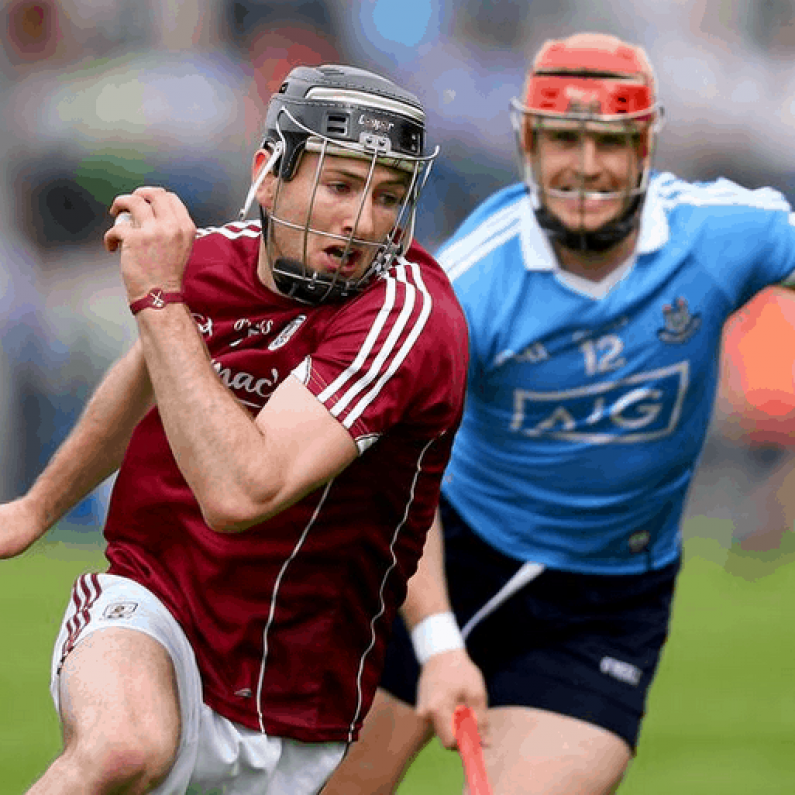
(590, 83)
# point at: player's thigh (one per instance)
(125, 683)
(534, 752)
(391, 737)
(118, 695)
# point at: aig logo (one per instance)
(640, 408)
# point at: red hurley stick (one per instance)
(468, 739)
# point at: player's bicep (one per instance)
(306, 445)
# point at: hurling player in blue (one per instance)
(595, 293)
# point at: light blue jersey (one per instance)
(588, 404)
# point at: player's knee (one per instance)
(362, 775)
(366, 771)
(125, 764)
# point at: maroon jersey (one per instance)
(290, 618)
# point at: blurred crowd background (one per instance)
(100, 96)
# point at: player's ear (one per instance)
(265, 182)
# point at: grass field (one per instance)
(721, 716)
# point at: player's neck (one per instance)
(264, 270)
(596, 265)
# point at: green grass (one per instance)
(34, 589)
(721, 715)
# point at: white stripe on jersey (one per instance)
(388, 358)
(418, 289)
(386, 349)
(275, 594)
(367, 345)
(481, 233)
(233, 230)
(722, 192)
(490, 235)
(389, 570)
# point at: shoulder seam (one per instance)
(490, 234)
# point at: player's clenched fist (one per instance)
(448, 680)
(156, 234)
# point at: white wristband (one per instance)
(436, 634)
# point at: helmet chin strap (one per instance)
(599, 240)
(292, 280)
(278, 148)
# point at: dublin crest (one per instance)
(680, 323)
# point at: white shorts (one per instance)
(215, 755)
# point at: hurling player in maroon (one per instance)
(280, 428)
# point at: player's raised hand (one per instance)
(21, 523)
(156, 234)
(448, 680)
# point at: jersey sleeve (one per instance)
(751, 243)
(478, 324)
(473, 259)
(394, 355)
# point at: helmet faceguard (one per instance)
(340, 111)
(589, 85)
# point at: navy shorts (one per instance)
(581, 645)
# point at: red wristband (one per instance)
(156, 299)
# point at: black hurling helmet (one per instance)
(341, 111)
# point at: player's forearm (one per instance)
(218, 447)
(427, 589)
(94, 448)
